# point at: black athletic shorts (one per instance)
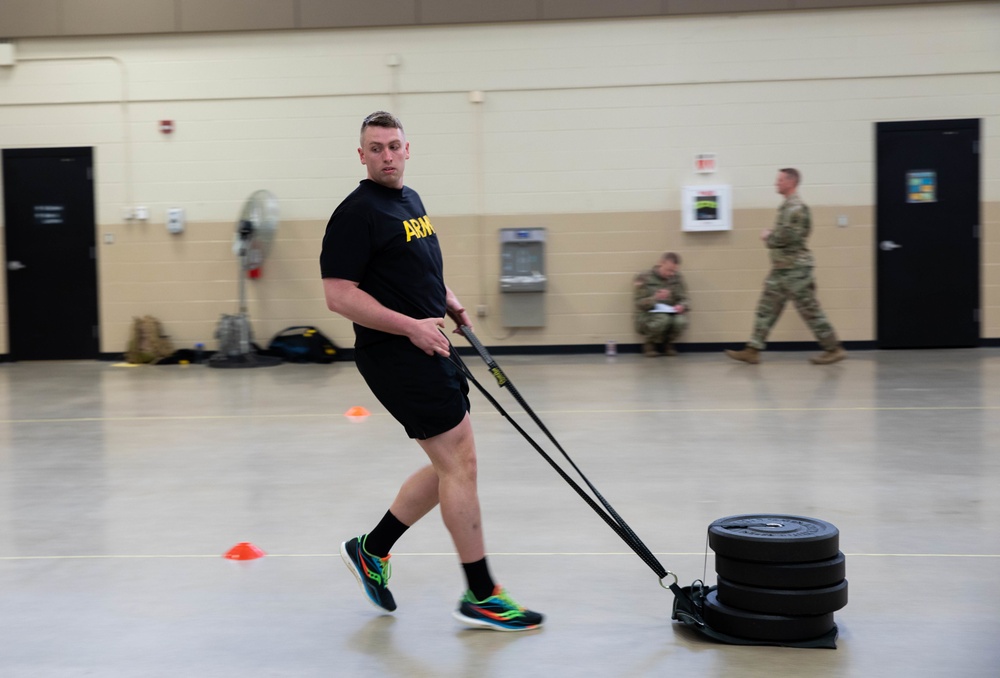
(427, 394)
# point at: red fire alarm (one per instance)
(704, 163)
(167, 126)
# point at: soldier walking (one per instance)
(791, 277)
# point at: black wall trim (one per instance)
(578, 349)
(347, 354)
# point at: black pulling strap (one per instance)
(609, 515)
(689, 601)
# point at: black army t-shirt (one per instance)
(382, 239)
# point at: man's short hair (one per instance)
(671, 256)
(793, 173)
(380, 119)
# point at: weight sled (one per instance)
(690, 602)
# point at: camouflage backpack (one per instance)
(147, 343)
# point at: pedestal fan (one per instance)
(255, 232)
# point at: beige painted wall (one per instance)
(588, 129)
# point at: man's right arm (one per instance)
(347, 299)
(644, 297)
(788, 232)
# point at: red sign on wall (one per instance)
(704, 163)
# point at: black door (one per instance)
(51, 258)
(927, 224)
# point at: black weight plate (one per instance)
(789, 602)
(783, 575)
(774, 538)
(755, 626)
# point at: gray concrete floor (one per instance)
(122, 487)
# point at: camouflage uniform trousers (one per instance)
(798, 285)
(661, 328)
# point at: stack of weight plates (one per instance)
(780, 578)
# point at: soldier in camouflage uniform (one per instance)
(662, 284)
(791, 277)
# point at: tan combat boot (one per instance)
(829, 357)
(747, 355)
(649, 350)
(669, 350)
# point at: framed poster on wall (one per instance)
(706, 208)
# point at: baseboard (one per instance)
(571, 349)
(347, 354)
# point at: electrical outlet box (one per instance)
(8, 55)
(175, 220)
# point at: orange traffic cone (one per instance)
(244, 551)
(357, 412)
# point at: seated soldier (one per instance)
(661, 306)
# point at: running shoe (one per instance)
(371, 572)
(498, 612)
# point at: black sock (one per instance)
(480, 582)
(379, 541)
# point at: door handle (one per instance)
(15, 266)
(888, 246)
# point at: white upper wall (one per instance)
(587, 116)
